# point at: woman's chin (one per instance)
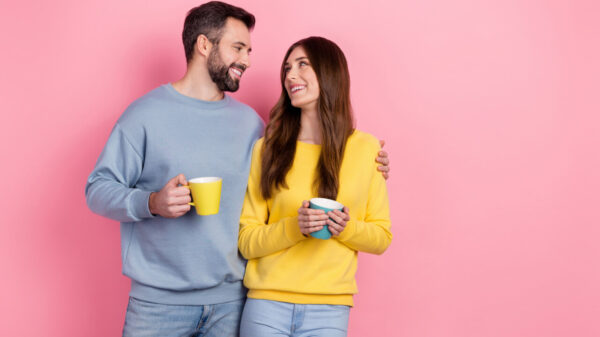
(296, 104)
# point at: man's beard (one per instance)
(219, 72)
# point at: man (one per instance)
(186, 272)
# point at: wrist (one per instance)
(348, 232)
(151, 206)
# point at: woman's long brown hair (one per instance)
(335, 118)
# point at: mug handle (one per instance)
(189, 188)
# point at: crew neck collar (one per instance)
(197, 102)
(307, 144)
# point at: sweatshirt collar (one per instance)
(197, 102)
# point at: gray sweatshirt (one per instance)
(191, 259)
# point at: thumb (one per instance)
(305, 204)
(179, 179)
(382, 142)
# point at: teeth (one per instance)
(237, 72)
(294, 89)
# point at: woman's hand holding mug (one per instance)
(340, 219)
(311, 220)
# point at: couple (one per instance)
(186, 272)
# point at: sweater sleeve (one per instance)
(257, 238)
(110, 190)
(372, 235)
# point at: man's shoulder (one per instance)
(148, 101)
(243, 107)
(245, 112)
(144, 107)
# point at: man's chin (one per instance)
(233, 86)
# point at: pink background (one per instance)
(490, 113)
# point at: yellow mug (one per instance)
(206, 194)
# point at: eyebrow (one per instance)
(298, 59)
(243, 45)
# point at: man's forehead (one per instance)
(236, 31)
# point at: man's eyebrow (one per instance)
(243, 45)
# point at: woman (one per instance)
(310, 149)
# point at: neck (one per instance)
(196, 83)
(310, 128)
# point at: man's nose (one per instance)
(245, 60)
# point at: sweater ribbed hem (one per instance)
(298, 298)
(225, 292)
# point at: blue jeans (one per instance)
(263, 318)
(145, 319)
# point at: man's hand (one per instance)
(339, 221)
(172, 200)
(382, 158)
(310, 220)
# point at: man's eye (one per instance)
(238, 48)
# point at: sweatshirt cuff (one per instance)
(139, 204)
(348, 231)
(292, 231)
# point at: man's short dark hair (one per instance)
(209, 19)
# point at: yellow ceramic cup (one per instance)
(206, 194)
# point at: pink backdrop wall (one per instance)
(490, 112)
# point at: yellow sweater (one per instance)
(283, 264)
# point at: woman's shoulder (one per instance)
(360, 140)
(259, 144)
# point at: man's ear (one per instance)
(203, 45)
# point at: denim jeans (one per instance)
(145, 319)
(263, 318)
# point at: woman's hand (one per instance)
(310, 220)
(339, 224)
